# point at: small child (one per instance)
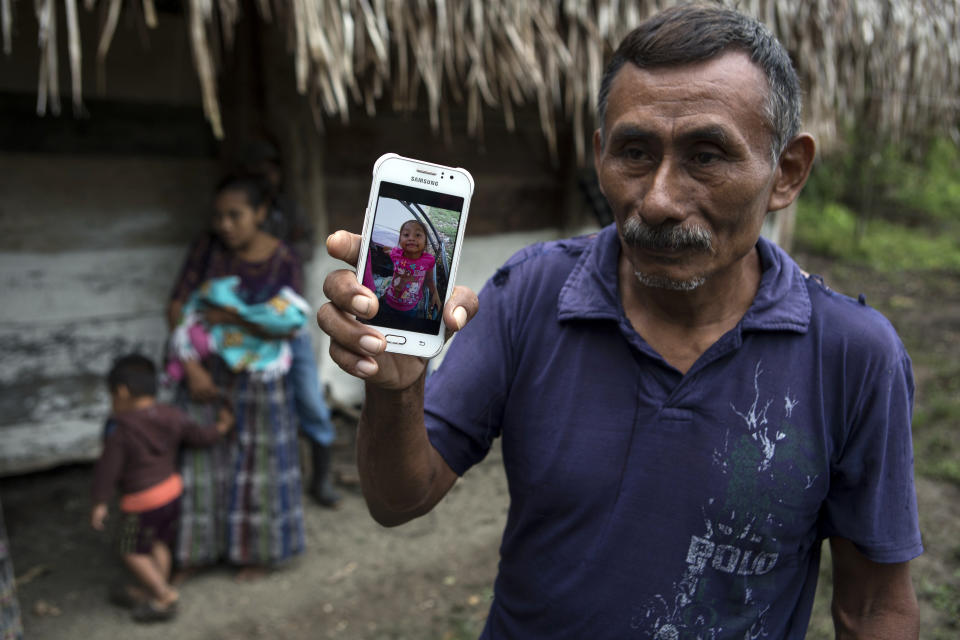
(139, 457)
(412, 268)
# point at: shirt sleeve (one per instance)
(466, 395)
(193, 433)
(872, 500)
(106, 473)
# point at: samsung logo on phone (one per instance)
(425, 181)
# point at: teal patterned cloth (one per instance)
(281, 315)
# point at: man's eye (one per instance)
(705, 157)
(634, 153)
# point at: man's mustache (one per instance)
(666, 236)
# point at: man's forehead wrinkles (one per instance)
(685, 132)
(642, 106)
(685, 90)
(684, 103)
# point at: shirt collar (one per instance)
(590, 291)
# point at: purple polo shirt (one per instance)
(649, 504)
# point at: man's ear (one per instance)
(793, 169)
(122, 392)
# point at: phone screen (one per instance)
(410, 256)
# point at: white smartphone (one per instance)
(412, 235)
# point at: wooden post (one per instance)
(289, 119)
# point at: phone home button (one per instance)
(392, 339)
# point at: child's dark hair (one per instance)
(135, 372)
(253, 185)
(426, 235)
(415, 221)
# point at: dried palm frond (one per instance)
(894, 64)
(149, 14)
(106, 37)
(48, 85)
(73, 47)
(200, 15)
(6, 25)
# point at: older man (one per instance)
(685, 415)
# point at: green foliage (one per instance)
(933, 187)
(831, 230)
(948, 470)
(937, 412)
(446, 223)
(946, 599)
(882, 209)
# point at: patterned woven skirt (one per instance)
(242, 497)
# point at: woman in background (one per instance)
(242, 499)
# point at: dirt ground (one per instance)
(430, 579)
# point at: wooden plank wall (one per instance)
(95, 215)
(89, 246)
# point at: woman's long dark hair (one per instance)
(253, 185)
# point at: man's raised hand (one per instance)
(359, 349)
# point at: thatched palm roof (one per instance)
(894, 62)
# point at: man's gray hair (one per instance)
(691, 33)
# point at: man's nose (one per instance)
(663, 200)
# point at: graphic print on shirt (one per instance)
(408, 277)
(729, 562)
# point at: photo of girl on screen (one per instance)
(408, 264)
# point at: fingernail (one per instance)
(371, 344)
(460, 316)
(330, 239)
(366, 367)
(361, 304)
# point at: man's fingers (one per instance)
(356, 364)
(460, 308)
(352, 345)
(345, 246)
(343, 290)
(346, 330)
